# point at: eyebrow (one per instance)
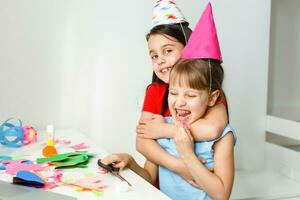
(163, 46)
(188, 90)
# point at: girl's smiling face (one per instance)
(164, 51)
(187, 104)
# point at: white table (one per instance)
(141, 189)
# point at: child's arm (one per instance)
(152, 170)
(156, 154)
(211, 125)
(218, 184)
(121, 160)
(206, 128)
(154, 126)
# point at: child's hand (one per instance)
(119, 160)
(194, 184)
(153, 117)
(158, 118)
(151, 128)
(184, 141)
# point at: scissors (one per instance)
(114, 171)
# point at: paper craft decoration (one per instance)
(203, 42)
(29, 179)
(89, 183)
(5, 158)
(49, 151)
(73, 159)
(4, 163)
(80, 146)
(30, 134)
(62, 141)
(60, 157)
(14, 166)
(53, 178)
(13, 134)
(166, 12)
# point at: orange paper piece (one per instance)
(49, 151)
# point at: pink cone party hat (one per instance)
(166, 12)
(203, 42)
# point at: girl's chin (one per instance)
(164, 78)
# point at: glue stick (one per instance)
(50, 135)
(49, 149)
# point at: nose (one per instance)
(161, 60)
(180, 101)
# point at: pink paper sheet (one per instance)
(16, 165)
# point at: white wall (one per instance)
(84, 64)
(33, 60)
(284, 93)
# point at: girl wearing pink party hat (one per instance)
(166, 41)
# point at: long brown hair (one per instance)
(181, 32)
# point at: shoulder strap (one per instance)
(227, 129)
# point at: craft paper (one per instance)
(16, 166)
(28, 178)
(90, 183)
(80, 146)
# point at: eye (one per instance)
(154, 57)
(172, 93)
(191, 95)
(167, 51)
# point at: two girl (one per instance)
(166, 42)
(196, 104)
(192, 91)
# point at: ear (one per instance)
(213, 98)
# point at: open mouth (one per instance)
(165, 69)
(182, 115)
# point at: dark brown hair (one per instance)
(180, 32)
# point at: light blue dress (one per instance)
(172, 184)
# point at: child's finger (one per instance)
(102, 170)
(186, 124)
(110, 159)
(211, 169)
(201, 160)
(140, 129)
(142, 123)
(194, 184)
(144, 120)
(120, 165)
(141, 135)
